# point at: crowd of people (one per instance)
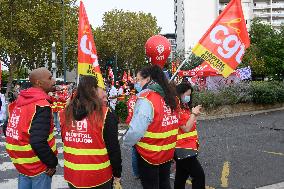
(162, 128)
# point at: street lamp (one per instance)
(63, 41)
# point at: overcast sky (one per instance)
(162, 9)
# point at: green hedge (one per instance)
(121, 110)
(259, 92)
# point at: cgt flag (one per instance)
(87, 54)
(224, 44)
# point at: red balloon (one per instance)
(158, 49)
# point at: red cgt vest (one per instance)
(86, 161)
(18, 139)
(187, 140)
(158, 144)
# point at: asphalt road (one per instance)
(241, 152)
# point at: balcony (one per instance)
(262, 15)
(276, 24)
(277, 6)
(279, 14)
(261, 7)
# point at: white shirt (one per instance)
(113, 92)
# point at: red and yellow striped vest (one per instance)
(187, 140)
(18, 139)
(158, 144)
(86, 161)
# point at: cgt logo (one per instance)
(15, 118)
(229, 44)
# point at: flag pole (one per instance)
(180, 66)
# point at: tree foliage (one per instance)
(28, 29)
(123, 35)
(266, 53)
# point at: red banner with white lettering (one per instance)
(224, 44)
(87, 54)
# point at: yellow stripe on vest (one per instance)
(25, 160)
(28, 146)
(185, 135)
(161, 135)
(76, 151)
(86, 167)
(155, 147)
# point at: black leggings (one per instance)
(189, 167)
(154, 176)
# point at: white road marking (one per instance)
(57, 180)
(2, 143)
(122, 131)
(273, 186)
(6, 166)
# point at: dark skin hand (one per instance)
(50, 171)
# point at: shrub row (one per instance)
(259, 92)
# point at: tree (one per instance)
(123, 36)
(267, 50)
(192, 61)
(28, 29)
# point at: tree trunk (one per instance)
(12, 68)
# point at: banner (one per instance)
(244, 73)
(224, 44)
(87, 54)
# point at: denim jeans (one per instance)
(135, 162)
(56, 121)
(42, 181)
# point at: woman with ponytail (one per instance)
(154, 127)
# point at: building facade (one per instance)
(194, 17)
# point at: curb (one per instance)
(238, 114)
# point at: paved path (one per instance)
(239, 152)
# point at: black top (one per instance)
(110, 135)
(39, 133)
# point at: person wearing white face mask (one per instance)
(153, 128)
(186, 150)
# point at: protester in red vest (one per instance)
(92, 156)
(154, 127)
(186, 151)
(29, 135)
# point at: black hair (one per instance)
(181, 89)
(157, 75)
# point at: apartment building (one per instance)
(194, 17)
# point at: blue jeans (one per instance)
(135, 162)
(42, 181)
(56, 121)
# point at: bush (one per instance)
(259, 92)
(121, 110)
(267, 92)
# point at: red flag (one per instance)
(174, 68)
(87, 54)
(110, 73)
(224, 44)
(124, 78)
